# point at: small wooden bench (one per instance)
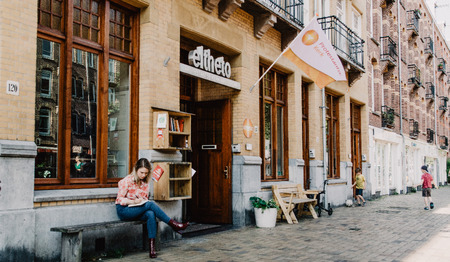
(72, 236)
(288, 196)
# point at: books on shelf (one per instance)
(176, 124)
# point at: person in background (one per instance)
(360, 182)
(132, 203)
(427, 182)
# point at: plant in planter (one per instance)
(265, 211)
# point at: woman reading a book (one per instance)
(132, 203)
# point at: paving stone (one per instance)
(391, 228)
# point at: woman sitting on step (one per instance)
(132, 203)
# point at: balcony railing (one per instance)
(414, 75)
(444, 103)
(443, 142)
(388, 50)
(429, 45)
(430, 135)
(347, 43)
(413, 129)
(413, 17)
(442, 65)
(387, 117)
(430, 91)
(289, 9)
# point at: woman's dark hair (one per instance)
(143, 162)
(357, 170)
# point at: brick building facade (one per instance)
(408, 81)
(92, 73)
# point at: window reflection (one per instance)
(118, 120)
(84, 114)
(46, 108)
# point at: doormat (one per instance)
(197, 229)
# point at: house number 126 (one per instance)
(12, 87)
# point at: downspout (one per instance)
(324, 147)
(435, 91)
(434, 83)
(400, 98)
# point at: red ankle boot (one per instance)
(151, 247)
(177, 226)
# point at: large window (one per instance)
(273, 124)
(332, 132)
(86, 108)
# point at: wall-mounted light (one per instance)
(166, 61)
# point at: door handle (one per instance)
(226, 172)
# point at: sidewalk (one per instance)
(392, 228)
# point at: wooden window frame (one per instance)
(67, 42)
(332, 119)
(276, 98)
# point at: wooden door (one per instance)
(211, 196)
(355, 111)
(305, 137)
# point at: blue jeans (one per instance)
(147, 212)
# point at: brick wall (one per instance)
(18, 21)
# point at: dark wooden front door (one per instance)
(355, 111)
(305, 137)
(211, 184)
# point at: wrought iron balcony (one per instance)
(442, 65)
(289, 9)
(430, 91)
(413, 129)
(429, 46)
(430, 135)
(414, 75)
(443, 142)
(349, 46)
(388, 50)
(444, 103)
(387, 117)
(413, 17)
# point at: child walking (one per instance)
(360, 182)
(427, 181)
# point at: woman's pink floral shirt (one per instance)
(130, 189)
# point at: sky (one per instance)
(441, 14)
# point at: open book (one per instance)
(140, 204)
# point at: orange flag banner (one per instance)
(313, 53)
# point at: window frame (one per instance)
(49, 79)
(271, 96)
(68, 42)
(49, 117)
(333, 141)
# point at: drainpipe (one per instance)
(435, 90)
(400, 97)
(434, 82)
(324, 146)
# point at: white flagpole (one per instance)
(253, 86)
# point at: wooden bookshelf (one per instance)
(171, 130)
(175, 183)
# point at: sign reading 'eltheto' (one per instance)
(202, 58)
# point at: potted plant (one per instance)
(265, 211)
